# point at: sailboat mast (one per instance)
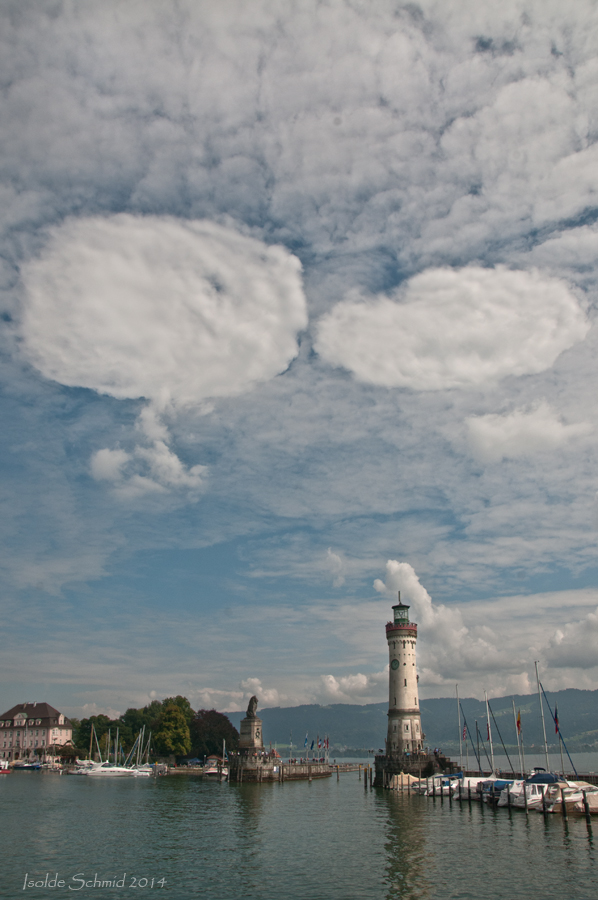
(489, 732)
(518, 739)
(459, 725)
(542, 715)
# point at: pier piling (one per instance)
(586, 807)
(563, 805)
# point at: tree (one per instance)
(172, 736)
(208, 729)
(183, 704)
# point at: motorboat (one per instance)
(108, 770)
(532, 790)
(443, 785)
(215, 769)
(571, 793)
(490, 790)
(22, 764)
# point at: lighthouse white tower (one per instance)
(404, 719)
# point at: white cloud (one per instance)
(166, 309)
(520, 433)
(452, 328)
(447, 646)
(336, 565)
(575, 645)
(358, 688)
(266, 696)
(107, 465)
(149, 469)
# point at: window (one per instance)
(43, 742)
(406, 727)
(405, 682)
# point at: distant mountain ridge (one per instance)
(352, 727)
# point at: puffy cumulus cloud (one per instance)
(170, 310)
(575, 646)
(164, 471)
(358, 688)
(150, 468)
(448, 648)
(266, 696)
(520, 433)
(454, 328)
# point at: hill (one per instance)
(351, 727)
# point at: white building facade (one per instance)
(33, 730)
(404, 719)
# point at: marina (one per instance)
(329, 838)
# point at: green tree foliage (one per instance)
(176, 729)
(183, 704)
(172, 736)
(102, 725)
(76, 726)
(208, 729)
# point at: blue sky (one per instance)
(298, 309)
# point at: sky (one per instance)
(298, 310)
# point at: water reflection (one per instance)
(407, 860)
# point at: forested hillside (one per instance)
(364, 727)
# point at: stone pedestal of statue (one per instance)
(250, 735)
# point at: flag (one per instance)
(312, 745)
(556, 719)
(518, 721)
(319, 743)
(465, 732)
(305, 744)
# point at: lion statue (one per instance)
(252, 708)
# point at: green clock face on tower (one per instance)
(394, 664)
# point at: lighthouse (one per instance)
(404, 718)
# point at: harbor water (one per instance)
(330, 839)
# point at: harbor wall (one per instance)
(244, 769)
(421, 764)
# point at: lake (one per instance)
(325, 840)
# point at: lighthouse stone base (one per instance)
(421, 764)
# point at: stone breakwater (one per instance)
(256, 769)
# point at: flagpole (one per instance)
(460, 736)
(542, 715)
